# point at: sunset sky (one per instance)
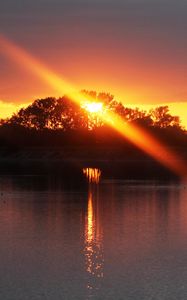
(134, 49)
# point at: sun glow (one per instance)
(92, 174)
(93, 107)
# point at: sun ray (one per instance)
(146, 142)
(134, 134)
(27, 61)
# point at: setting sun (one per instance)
(93, 107)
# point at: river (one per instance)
(104, 239)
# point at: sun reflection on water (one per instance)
(92, 174)
(93, 250)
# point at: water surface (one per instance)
(103, 239)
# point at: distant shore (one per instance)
(82, 153)
(114, 162)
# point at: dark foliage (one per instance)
(60, 122)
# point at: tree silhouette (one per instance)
(52, 122)
(63, 114)
(162, 118)
(51, 113)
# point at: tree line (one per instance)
(58, 120)
(64, 114)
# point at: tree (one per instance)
(64, 114)
(162, 118)
(51, 113)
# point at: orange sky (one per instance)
(19, 87)
(135, 50)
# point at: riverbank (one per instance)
(68, 162)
